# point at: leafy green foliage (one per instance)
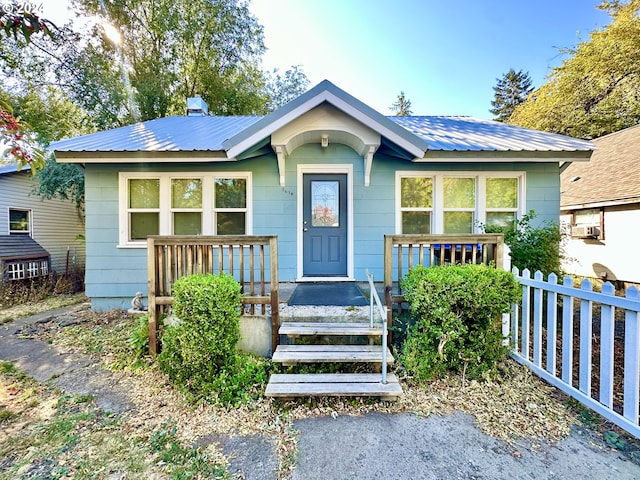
(281, 89)
(510, 91)
(594, 91)
(16, 21)
(64, 181)
(457, 314)
(199, 354)
(139, 339)
(532, 247)
(182, 462)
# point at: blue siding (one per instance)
(115, 274)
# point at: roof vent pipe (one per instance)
(197, 107)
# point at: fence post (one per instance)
(607, 327)
(526, 315)
(552, 325)
(586, 329)
(151, 295)
(537, 319)
(567, 333)
(631, 360)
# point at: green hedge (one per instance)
(201, 349)
(457, 319)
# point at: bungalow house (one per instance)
(326, 173)
(36, 236)
(600, 208)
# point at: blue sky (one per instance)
(444, 54)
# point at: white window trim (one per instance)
(166, 212)
(20, 232)
(479, 214)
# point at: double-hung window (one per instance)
(183, 204)
(416, 204)
(457, 203)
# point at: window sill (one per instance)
(132, 245)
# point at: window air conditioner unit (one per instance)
(585, 231)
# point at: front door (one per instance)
(324, 219)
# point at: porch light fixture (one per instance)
(324, 142)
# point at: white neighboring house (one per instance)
(600, 204)
(32, 228)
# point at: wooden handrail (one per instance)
(172, 257)
(436, 249)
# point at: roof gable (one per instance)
(321, 93)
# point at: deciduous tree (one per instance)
(596, 90)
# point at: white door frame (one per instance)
(325, 168)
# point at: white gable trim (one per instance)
(336, 101)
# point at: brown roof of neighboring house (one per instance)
(20, 247)
(611, 177)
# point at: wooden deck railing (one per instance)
(249, 259)
(403, 252)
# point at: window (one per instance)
(19, 222)
(178, 204)
(430, 202)
(501, 203)
(416, 204)
(18, 270)
(459, 202)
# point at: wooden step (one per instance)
(333, 385)
(324, 328)
(292, 354)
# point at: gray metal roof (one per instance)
(232, 134)
(13, 168)
(19, 247)
(474, 134)
(168, 134)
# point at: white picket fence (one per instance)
(542, 332)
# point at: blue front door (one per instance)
(324, 217)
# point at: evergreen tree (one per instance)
(512, 89)
(402, 106)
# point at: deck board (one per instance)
(290, 354)
(341, 384)
(325, 328)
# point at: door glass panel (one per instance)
(502, 192)
(324, 203)
(187, 223)
(417, 192)
(144, 193)
(186, 193)
(459, 193)
(458, 222)
(416, 222)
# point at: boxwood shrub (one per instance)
(456, 314)
(201, 348)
